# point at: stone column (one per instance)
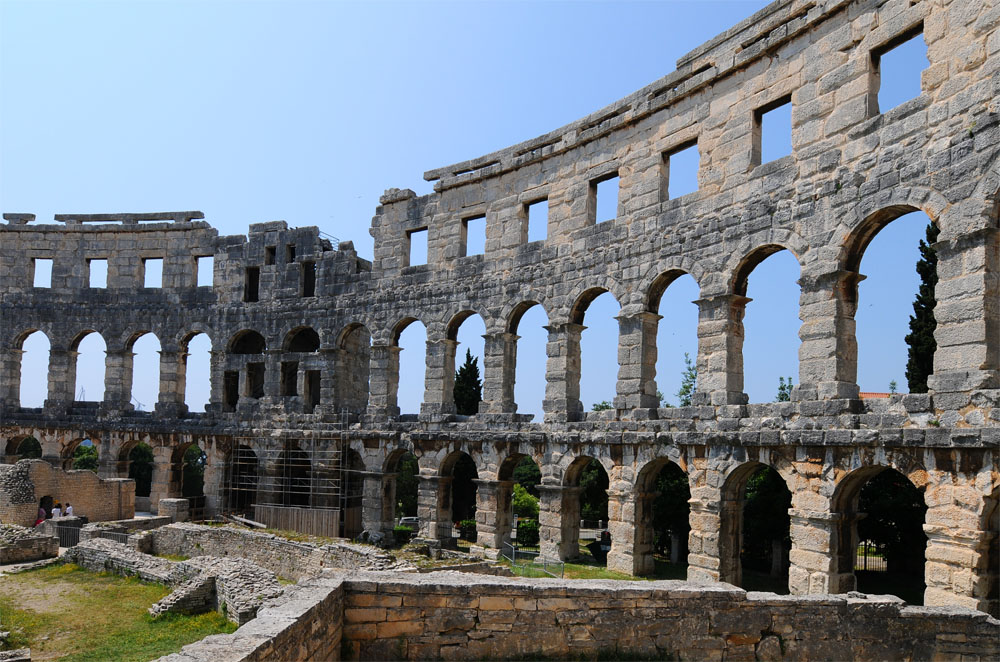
(703, 540)
(720, 349)
(493, 516)
(813, 562)
(272, 376)
(62, 379)
(434, 507)
(10, 378)
(217, 368)
(118, 380)
(499, 365)
(377, 502)
(173, 370)
(637, 362)
(828, 353)
(629, 522)
(562, 373)
(439, 379)
(384, 382)
(559, 521)
(107, 463)
(215, 471)
(968, 318)
(161, 486)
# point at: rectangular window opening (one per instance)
(43, 272)
(680, 171)
(152, 272)
(269, 254)
(289, 378)
(772, 131)
(251, 286)
(896, 70)
(312, 387)
(255, 380)
(474, 235)
(605, 192)
(230, 389)
(204, 270)
(290, 253)
(418, 247)
(97, 273)
(308, 279)
(537, 217)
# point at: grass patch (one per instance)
(72, 614)
(174, 557)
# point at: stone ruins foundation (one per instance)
(304, 333)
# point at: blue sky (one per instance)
(307, 111)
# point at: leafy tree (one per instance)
(525, 505)
(193, 472)
(406, 486)
(593, 492)
(895, 519)
(893, 386)
(920, 339)
(29, 449)
(463, 490)
(689, 380)
(140, 469)
(765, 517)
(603, 405)
(670, 506)
(468, 386)
(528, 475)
(85, 457)
(784, 390)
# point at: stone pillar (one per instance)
(384, 382)
(62, 378)
(493, 517)
(720, 349)
(813, 563)
(968, 318)
(217, 360)
(215, 471)
(173, 371)
(630, 515)
(499, 365)
(439, 379)
(272, 376)
(161, 484)
(559, 521)
(107, 462)
(637, 362)
(562, 373)
(377, 502)
(434, 507)
(118, 380)
(703, 540)
(828, 353)
(10, 378)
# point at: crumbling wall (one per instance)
(22, 486)
(20, 545)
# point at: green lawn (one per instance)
(67, 613)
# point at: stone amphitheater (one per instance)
(304, 333)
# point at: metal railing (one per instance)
(69, 536)
(871, 557)
(530, 563)
(115, 536)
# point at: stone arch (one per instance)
(352, 368)
(564, 539)
(646, 539)
(247, 341)
(24, 446)
(293, 471)
(512, 316)
(654, 290)
(131, 463)
(401, 326)
(353, 485)
(187, 474)
(195, 377)
(752, 258)
(583, 300)
(68, 450)
(301, 339)
(457, 497)
(987, 587)
(33, 358)
(241, 480)
(75, 346)
(138, 346)
(858, 239)
(401, 366)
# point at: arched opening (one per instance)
(404, 464)
(460, 504)
(90, 367)
(988, 588)
(193, 462)
(528, 322)
(81, 454)
(241, 480)
(353, 486)
(294, 474)
(754, 540)
(518, 497)
(353, 361)
(589, 523)
(881, 538)
(468, 329)
(247, 342)
(411, 338)
(197, 371)
(34, 375)
(894, 316)
(145, 372)
(662, 516)
(136, 462)
(769, 278)
(303, 339)
(250, 384)
(596, 310)
(23, 448)
(672, 296)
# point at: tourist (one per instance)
(69, 509)
(56, 510)
(41, 516)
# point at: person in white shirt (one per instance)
(56, 511)
(69, 509)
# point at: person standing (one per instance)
(69, 509)
(56, 510)
(40, 517)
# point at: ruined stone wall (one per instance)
(20, 545)
(24, 484)
(853, 169)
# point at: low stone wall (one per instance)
(22, 545)
(24, 484)
(293, 560)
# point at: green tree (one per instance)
(525, 505)
(893, 386)
(689, 380)
(594, 492)
(193, 472)
(527, 475)
(670, 506)
(920, 339)
(603, 405)
(29, 449)
(140, 469)
(784, 390)
(463, 489)
(765, 517)
(406, 486)
(895, 509)
(468, 386)
(85, 457)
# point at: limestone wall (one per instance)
(20, 545)
(24, 484)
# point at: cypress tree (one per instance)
(920, 339)
(468, 386)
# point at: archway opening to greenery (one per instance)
(193, 472)
(27, 448)
(84, 456)
(463, 474)
(662, 520)
(589, 524)
(766, 539)
(140, 468)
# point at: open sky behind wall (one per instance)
(307, 111)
